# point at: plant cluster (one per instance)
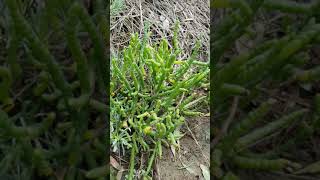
(238, 81)
(152, 91)
(53, 94)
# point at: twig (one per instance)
(182, 97)
(228, 121)
(141, 19)
(26, 87)
(231, 115)
(194, 138)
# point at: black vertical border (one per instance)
(108, 88)
(211, 93)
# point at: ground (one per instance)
(195, 150)
(132, 16)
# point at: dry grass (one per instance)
(193, 15)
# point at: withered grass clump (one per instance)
(129, 16)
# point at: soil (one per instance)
(186, 163)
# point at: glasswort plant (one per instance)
(152, 92)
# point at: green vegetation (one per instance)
(152, 91)
(275, 62)
(53, 95)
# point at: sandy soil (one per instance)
(186, 164)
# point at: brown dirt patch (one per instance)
(186, 164)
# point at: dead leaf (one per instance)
(119, 175)
(166, 24)
(205, 172)
(114, 163)
(173, 150)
